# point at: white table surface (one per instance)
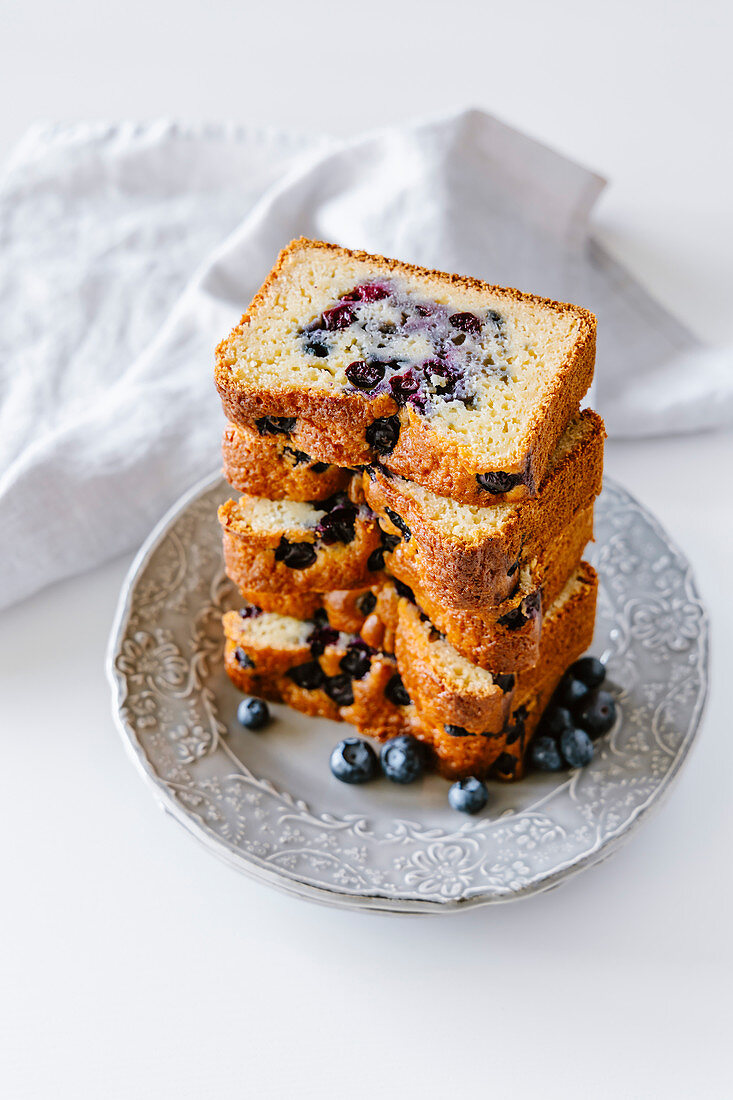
(133, 964)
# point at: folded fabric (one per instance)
(128, 251)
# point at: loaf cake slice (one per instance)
(468, 557)
(297, 546)
(259, 461)
(460, 386)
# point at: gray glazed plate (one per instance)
(267, 802)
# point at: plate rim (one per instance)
(332, 897)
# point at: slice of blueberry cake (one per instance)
(460, 386)
(260, 460)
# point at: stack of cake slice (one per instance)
(417, 491)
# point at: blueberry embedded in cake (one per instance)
(460, 386)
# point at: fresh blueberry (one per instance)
(596, 713)
(395, 691)
(466, 322)
(498, 482)
(404, 386)
(275, 425)
(341, 316)
(253, 714)
(555, 721)
(340, 689)
(354, 761)
(590, 670)
(383, 433)
(399, 523)
(242, 658)
(576, 748)
(365, 374)
(296, 555)
(544, 754)
(309, 676)
(357, 660)
(468, 795)
(403, 759)
(571, 692)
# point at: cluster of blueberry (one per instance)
(579, 712)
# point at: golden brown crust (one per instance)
(270, 466)
(331, 426)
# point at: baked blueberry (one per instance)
(365, 374)
(309, 676)
(375, 561)
(544, 754)
(354, 761)
(498, 481)
(404, 386)
(296, 555)
(399, 523)
(321, 637)
(596, 713)
(505, 680)
(402, 759)
(514, 619)
(468, 796)
(357, 660)
(250, 611)
(298, 457)
(395, 691)
(505, 765)
(404, 590)
(576, 748)
(253, 714)
(590, 670)
(242, 658)
(338, 525)
(571, 692)
(555, 721)
(340, 689)
(457, 731)
(466, 322)
(316, 345)
(341, 316)
(319, 467)
(383, 433)
(275, 425)
(389, 541)
(366, 603)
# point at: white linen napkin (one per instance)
(128, 251)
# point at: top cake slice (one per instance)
(460, 386)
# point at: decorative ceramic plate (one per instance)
(267, 802)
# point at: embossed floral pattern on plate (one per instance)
(267, 803)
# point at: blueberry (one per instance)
(253, 714)
(338, 525)
(375, 561)
(404, 386)
(296, 555)
(357, 660)
(571, 692)
(514, 619)
(320, 638)
(449, 374)
(404, 590)
(365, 374)
(505, 681)
(402, 759)
(555, 721)
(468, 795)
(395, 691)
(596, 713)
(389, 541)
(340, 689)
(590, 670)
(298, 457)
(366, 603)
(544, 755)
(275, 425)
(316, 345)
(341, 316)
(505, 765)
(383, 433)
(466, 322)
(354, 761)
(368, 292)
(309, 676)
(319, 467)
(250, 611)
(399, 523)
(242, 658)
(456, 731)
(576, 748)
(498, 481)
(495, 318)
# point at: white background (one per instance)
(133, 963)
